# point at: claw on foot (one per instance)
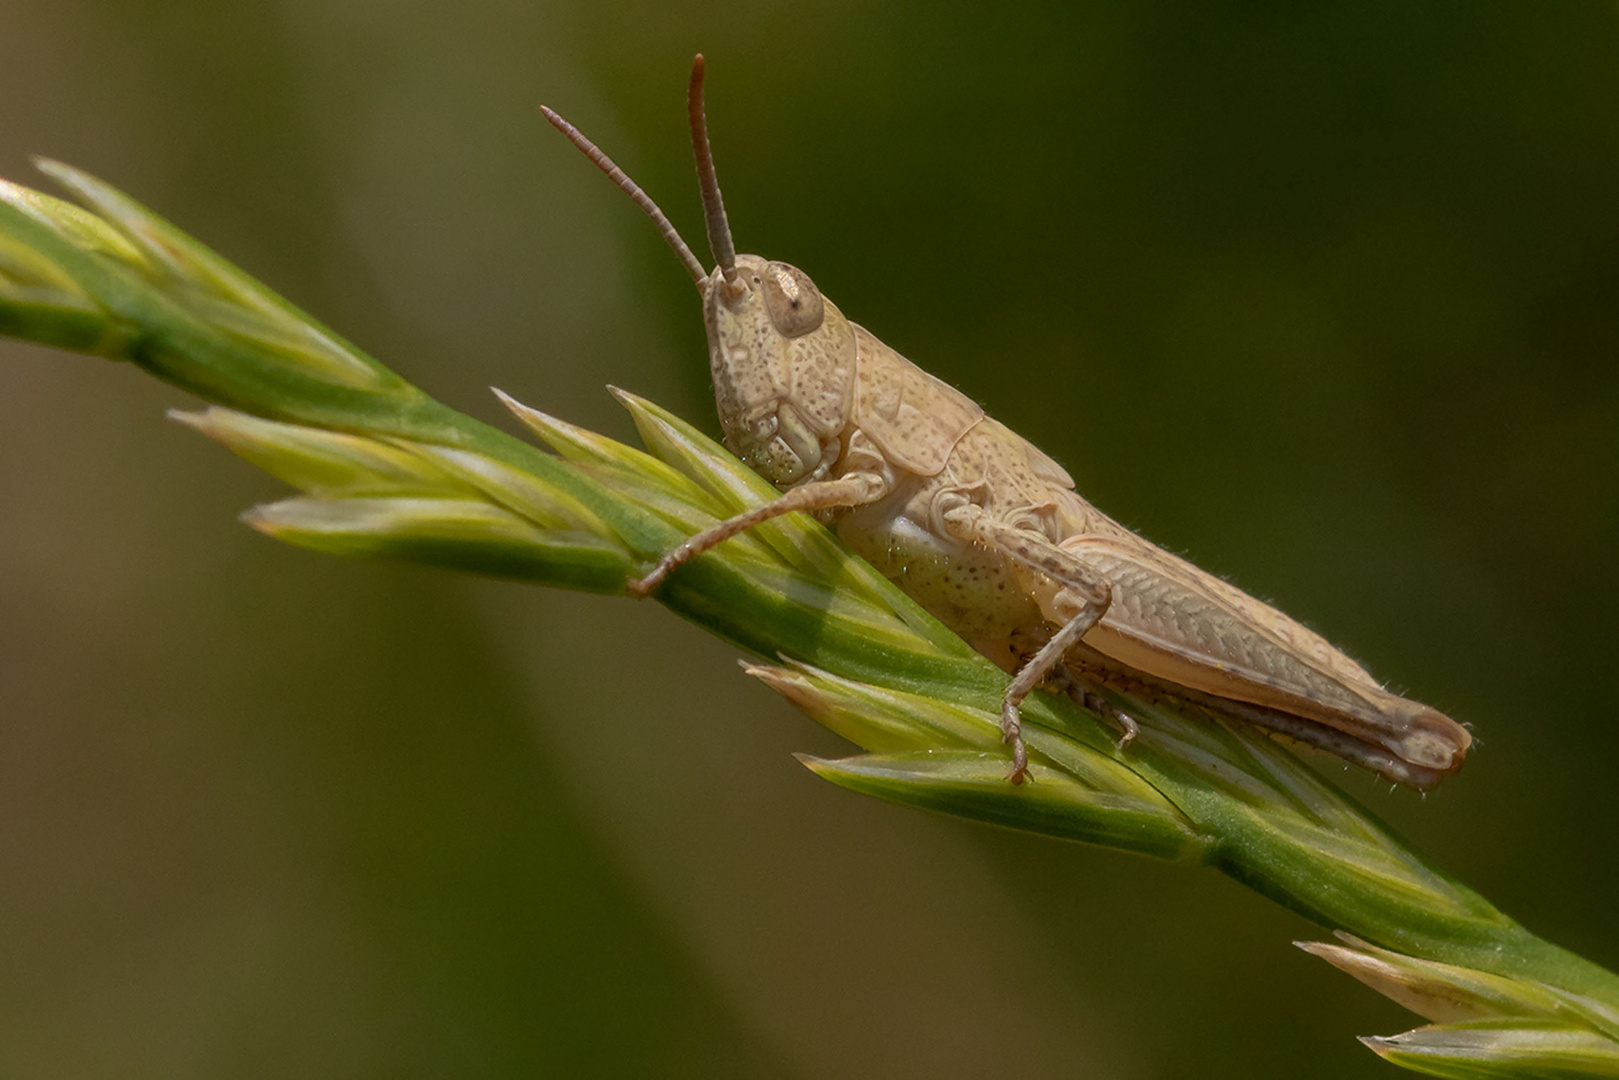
(642, 587)
(1128, 728)
(1020, 765)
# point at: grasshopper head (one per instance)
(782, 357)
(781, 354)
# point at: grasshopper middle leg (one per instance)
(1084, 694)
(1083, 686)
(1085, 588)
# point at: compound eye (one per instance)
(791, 298)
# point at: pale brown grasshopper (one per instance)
(986, 531)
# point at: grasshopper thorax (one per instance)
(782, 358)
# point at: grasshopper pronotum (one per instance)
(986, 531)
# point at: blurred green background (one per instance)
(1325, 296)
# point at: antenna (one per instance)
(642, 199)
(719, 229)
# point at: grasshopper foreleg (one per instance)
(1082, 588)
(853, 489)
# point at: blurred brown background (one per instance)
(1325, 296)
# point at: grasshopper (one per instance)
(987, 533)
